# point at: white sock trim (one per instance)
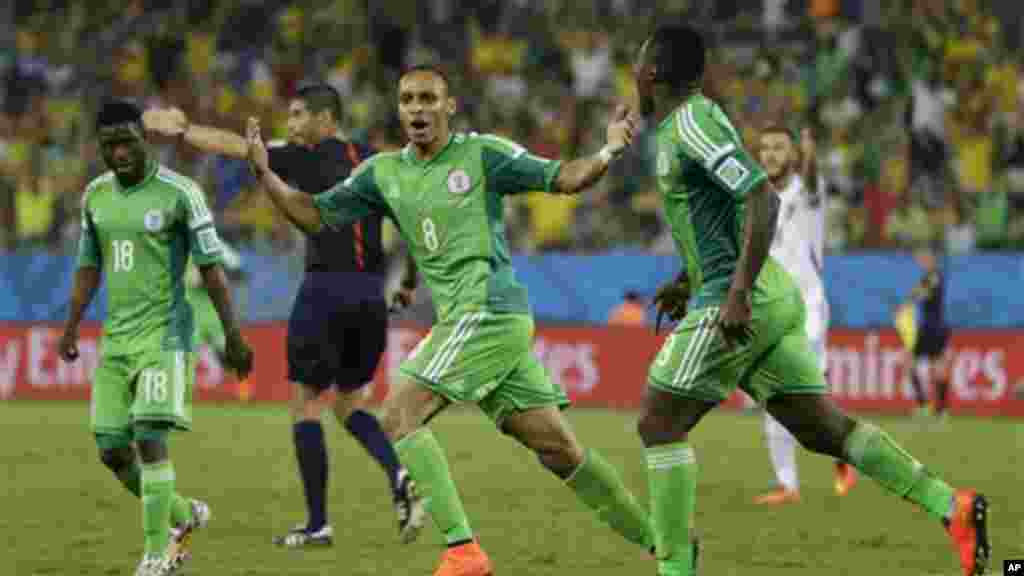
(162, 472)
(665, 459)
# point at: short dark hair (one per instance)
(437, 69)
(320, 97)
(679, 54)
(114, 112)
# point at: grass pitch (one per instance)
(64, 514)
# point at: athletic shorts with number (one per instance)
(485, 358)
(154, 386)
(778, 359)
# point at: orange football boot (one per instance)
(465, 560)
(846, 477)
(968, 528)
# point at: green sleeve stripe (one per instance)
(199, 214)
(697, 139)
(517, 149)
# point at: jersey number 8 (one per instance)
(124, 255)
(429, 234)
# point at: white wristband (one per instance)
(607, 155)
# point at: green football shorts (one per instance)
(484, 358)
(153, 386)
(778, 360)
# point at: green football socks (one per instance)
(131, 477)
(428, 466)
(598, 485)
(157, 495)
(672, 477)
(875, 454)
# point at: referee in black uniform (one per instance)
(337, 331)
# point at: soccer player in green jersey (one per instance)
(745, 323)
(140, 224)
(445, 192)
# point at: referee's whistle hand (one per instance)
(259, 160)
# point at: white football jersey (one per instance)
(799, 245)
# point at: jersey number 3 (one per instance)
(124, 255)
(429, 234)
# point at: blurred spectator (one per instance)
(907, 226)
(629, 312)
(912, 99)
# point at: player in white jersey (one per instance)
(799, 245)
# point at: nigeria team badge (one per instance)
(154, 220)
(459, 182)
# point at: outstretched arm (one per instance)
(580, 174)
(296, 205)
(173, 122)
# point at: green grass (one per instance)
(64, 514)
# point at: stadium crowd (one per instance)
(917, 107)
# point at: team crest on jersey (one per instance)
(664, 165)
(732, 173)
(154, 220)
(459, 182)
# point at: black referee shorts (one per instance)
(333, 340)
(931, 342)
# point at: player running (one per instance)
(746, 325)
(338, 326)
(140, 224)
(799, 246)
(445, 192)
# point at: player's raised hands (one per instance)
(621, 129)
(259, 160)
(166, 121)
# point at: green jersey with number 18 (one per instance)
(704, 175)
(450, 212)
(141, 238)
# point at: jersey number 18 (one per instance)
(124, 255)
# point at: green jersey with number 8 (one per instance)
(141, 239)
(450, 212)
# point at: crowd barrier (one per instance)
(598, 366)
(863, 288)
